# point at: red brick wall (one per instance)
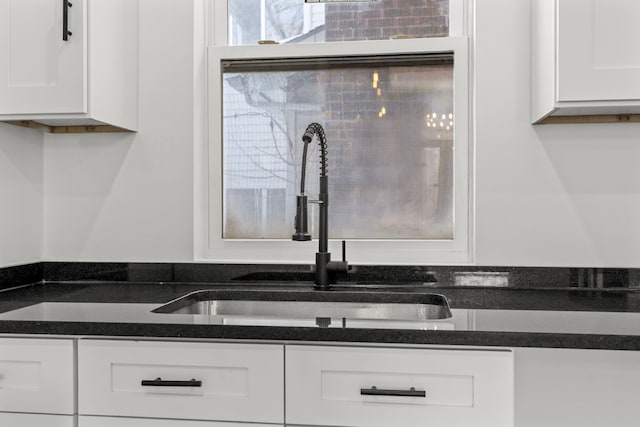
(383, 19)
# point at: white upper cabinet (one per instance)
(42, 73)
(585, 60)
(69, 63)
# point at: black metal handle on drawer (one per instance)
(159, 382)
(375, 391)
(66, 4)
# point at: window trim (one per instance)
(360, 251)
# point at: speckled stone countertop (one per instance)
(503, 317)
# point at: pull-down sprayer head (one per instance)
(301, 233)
(308, 136)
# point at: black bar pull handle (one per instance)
(66, 4)
(375, 391)
(159, 382)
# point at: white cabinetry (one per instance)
(87, 82)
(181, 380)
(370, 387)
(585, 60)
(84, 421)
(36, 420)
(37, 382)
(576, 388)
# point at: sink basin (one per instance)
(431, 311)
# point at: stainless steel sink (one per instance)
(430, 312)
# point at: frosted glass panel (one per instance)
(389, 131)
(293, 21)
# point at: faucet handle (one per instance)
(340, 266)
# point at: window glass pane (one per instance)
(389, 128)
(293, 21)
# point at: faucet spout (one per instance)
(325, 268)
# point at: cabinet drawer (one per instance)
(343, 386)
(204, 381)
(87, 421)
(36, 420)
(37, 375)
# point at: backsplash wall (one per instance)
(433, 276)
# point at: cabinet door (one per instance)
(181, 380)
(558, 387)
(36, 420)
(598, 50)
(37, 375)
(39, 71)
(142, 422)
(380, 387)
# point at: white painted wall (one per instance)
(21, 162)
(129, 197)
(561, 195)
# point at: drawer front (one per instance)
(36, 420)
(37, 375)
(87, 421)
(358, 386)
(205, 381)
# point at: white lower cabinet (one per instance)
(86, 421)
(36, 420)
(181, 380)
(370, 387)
(128, 383)
(558, 387)
(37, 382)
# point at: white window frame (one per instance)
(209, 244)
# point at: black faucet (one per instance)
(325, 268)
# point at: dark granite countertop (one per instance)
(505, 317)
